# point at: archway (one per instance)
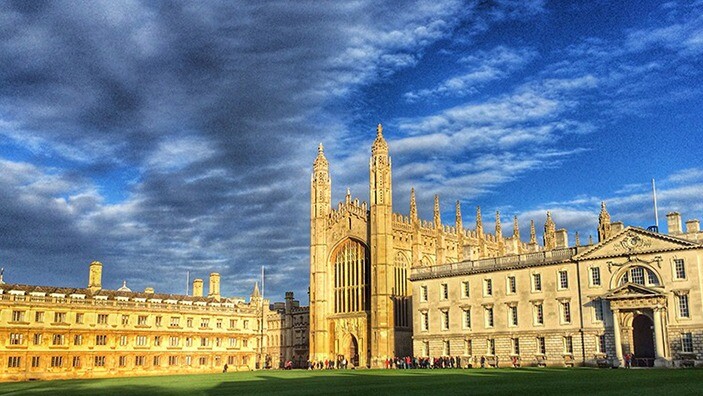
(351, 350)
(643, 340)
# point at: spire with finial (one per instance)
(577, 239)
(499, 230)
(533, 233)
(459, 223)
(256, 293)
(379, 145)
(590, 239)
(550, 233)
(604, 227)
(413, 206)
(320, 160)
(2, 272)
(437, 218)
(479, 222)
(347, 199)
(516, 228)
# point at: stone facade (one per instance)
(55, 332)
(287, 332)
(634, 292)
(361, 256)
(385, 284)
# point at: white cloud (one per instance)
(482, 68)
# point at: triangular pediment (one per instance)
(632, 290)
(633, 240)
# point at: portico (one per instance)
(639, 324)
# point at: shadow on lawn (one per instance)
(402, 382)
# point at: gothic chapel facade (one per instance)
(360, 261)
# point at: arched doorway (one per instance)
(643, 340)
(351, 350)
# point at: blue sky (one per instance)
(161, 138)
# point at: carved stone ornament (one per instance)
(633, 241)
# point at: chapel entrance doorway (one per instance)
(643, 340)
(353, 351)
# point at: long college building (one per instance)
(384, 284)
(53, 332)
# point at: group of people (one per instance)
(410, 362)
(329, 364)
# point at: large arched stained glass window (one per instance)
(352, 273)
(639, 275)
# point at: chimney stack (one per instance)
(95, 277)
(693, 226)
(197, 287)
(673, 222)
(214, 286)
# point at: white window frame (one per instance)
(562, 279)
(423, 293)
(687, 342)
(594, 278)
(465, 289)
(683, 306)
(513, 316)
(444, 291)
(511, 284)
(675, 268)
(466, 322)
(538, 314)
(534, 279)
(489, 316)
(445, 319)
(487, 287)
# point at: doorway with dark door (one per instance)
(643, 340)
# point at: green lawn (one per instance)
(519, 382)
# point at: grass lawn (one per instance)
(519, 382)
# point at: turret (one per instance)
(479, 223)
(413, 206)
(604, 226)
(533, 237)
(459, 223)
(320, 201)
(550, 238)
(321, 185)
(499, 230)
(437, 217)
(382, 259)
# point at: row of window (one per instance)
(489, 317)
(488, 288)
(538, 314)
(637, 274)
(100, 361)
(540, 346)
(140, 340)
(142, 320)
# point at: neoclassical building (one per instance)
(383, 284)
(51, 332)
(634, 292)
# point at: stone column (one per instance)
(618, 342)
(660, 360)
